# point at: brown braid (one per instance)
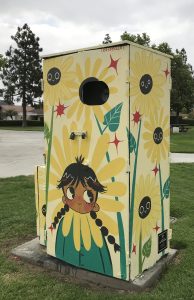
(104, 231)
(60, 214)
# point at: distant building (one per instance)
(31, 112)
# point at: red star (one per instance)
(116, 142)
(155, 170)
(51, 228)
(113, 63)
(156, 228)
(60, 109)
(136, 117)
(134, 248)
(166, 72)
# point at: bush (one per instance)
(14, 123)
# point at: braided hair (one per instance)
(73, 174)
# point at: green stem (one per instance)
(161, 198)
(140, 253)
(133, 191)
(48, 158)
(119, 220)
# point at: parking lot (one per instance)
(20, 152)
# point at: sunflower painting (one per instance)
(85, 207)
(156, 136)
(146, 82)
(92, 71)
(149, 148)
(58, 80)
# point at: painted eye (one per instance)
(70, 193)
(88, 196)
(49, 77)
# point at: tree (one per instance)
(22, 71)
(182, 93)
(2, 61)
(142, 39)
(10, 113)
(107, 39)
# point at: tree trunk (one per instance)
(24, 123)
(177, 116)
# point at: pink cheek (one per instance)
(88, 207)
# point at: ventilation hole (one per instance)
(93, 92)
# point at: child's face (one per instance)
(79, 198)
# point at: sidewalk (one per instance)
(21, 151)
(182, 157)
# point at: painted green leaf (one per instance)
(112, 117)
(146, 251)
(131, 142)
(166, 188)
(46, 132)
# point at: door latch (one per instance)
(82, 134)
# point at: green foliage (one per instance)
(142, 39)
(46, 132)
(182, 142)
(131, 141)
(146, 251)
(22, 71)
(166, 188)
(112, 118)
(13, 123)
(20, 280)
(107, 39)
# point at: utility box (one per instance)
(107, 125)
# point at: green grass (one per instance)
(182, 142)
(19, 128)
(19, 280)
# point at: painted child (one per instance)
(80, 192)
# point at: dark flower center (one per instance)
(146, 84)
(144, 207)
(158, 135)
(53, 76)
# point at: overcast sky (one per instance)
(69, 24)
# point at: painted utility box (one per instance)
(106, 185)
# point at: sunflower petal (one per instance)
(100, 151)
(85, 232)
(76, 230)
(113, 168)
(95, 232)
(67, 222)
(115, 189)
(108, 222)
(55, 194)
(110, 205)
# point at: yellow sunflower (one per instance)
(146, 83)
(147, 206)
(95, 71)
(157, 136)
(58, 80)
(84, 227)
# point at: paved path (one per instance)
(182, 157)
(21, 151)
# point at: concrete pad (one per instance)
(34, 253)
(20, 152)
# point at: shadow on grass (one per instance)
(179, 245)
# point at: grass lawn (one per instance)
(182, 142)
(19, 128)
(19, 280)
